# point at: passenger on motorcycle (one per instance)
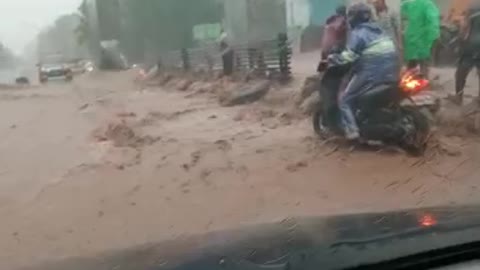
(334, 33)
(374, 60)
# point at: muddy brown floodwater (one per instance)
(102, 164)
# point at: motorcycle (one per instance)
(387, 114)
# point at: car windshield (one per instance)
(51, 65)
(52, 60)
(129, 123)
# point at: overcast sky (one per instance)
(20, 20)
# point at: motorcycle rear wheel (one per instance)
(318, 125)
(416, 143)
(322, 128)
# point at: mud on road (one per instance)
(104, 164)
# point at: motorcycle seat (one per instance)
(377, 97)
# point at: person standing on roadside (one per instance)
(469, 51)
(226, 53)
(388, 20)
(421, 29)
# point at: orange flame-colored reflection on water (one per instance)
(428, 220)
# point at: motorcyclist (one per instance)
(374, 60)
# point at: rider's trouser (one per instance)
(357, 85)
(366, 74)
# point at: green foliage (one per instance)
(81, 31)
(7, 57)
(63, 37)
(146, 27)
(168, 24)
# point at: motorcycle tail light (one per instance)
(412, 84)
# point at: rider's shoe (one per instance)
(352, 135)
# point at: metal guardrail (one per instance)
(262, 57)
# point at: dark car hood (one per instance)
(333, 242)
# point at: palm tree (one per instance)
(81, 31)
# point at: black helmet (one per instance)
(341, 10)
(359, 13)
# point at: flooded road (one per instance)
(103, 164)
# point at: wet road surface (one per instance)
(102, 164)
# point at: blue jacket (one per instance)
(372, 53)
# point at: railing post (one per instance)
(228, 60)
(209, 60)
(251, 58)
(238, 63)
(185, 60)
(262, 67)
(159, 63)
(284, 54)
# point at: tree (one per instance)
(62, 37)
(81, 31)
(7, 57)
